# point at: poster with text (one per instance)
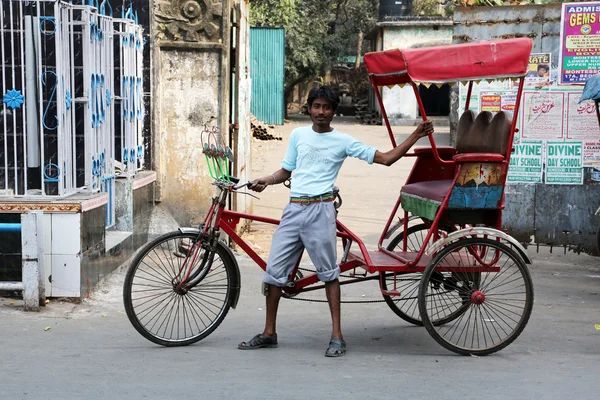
(490, 102)
(509, 101)
(538, 73)
(542, 115)
(591, 154)
(582, 122)
(580, 42)
(564, 163)
(526, 162)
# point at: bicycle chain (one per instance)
(343, 301)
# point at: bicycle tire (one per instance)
(495, 303)
(200, 296)
(406, 306)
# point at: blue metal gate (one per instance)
(267, 71)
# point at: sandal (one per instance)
(337, 348)
(258, 342)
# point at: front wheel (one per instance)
(491, 286)
(163, 311)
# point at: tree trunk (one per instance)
(289, 87)
(359, 51)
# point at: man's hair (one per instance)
(324, 92)
(544, 67)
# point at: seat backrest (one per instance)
(465, 123)
(499, 131)
(483, 133)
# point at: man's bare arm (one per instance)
(258, 185)
(391, 156)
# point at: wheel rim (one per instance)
(493, 308)
(407, 304)
(164, 308)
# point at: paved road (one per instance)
(91, 350)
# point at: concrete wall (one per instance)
(192, 75)
(242, 142)
(557, 215)
(400, 103)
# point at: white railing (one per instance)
(71, 90)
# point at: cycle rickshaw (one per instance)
(449, 267)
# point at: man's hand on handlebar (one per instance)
(425, 128)
(260, 184)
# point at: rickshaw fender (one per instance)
(236, 278)
(478, 231)
(394, 227)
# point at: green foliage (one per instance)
(318, 32)
(507, 2)
(426, 7)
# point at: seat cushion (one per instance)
(424, 198)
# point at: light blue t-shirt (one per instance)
(316, 159)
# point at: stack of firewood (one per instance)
(261, 130)
(364, 115)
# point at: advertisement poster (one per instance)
(526, 163)
(580, 42)
(509, 101)
(490, 102)
(542, 115)
(538, 74)
(564, 163)
(582, 123)
(591, 154)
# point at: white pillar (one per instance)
(32, 244)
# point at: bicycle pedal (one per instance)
(391, 293)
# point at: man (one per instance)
(543, 71)
(315, 154)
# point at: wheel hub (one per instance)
(179, 290)
(478, 297)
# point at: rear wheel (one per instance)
(156, 304)
(406, 306)
(495, 302)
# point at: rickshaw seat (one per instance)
(478, 157)
(442, 150)
(481, 138)
(432, 190)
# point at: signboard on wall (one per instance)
(580, 42)
(526, 162)
(564, 163)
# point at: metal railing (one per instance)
(71, 91)
(32, 254)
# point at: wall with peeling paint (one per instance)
(557, 215)
(400, 103)
(192, 71)
(189, 98)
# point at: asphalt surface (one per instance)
(90, 350)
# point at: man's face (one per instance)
(542, 72)
(321, 112)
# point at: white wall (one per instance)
(400, 103)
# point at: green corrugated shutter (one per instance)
(267, 69)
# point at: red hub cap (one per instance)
(478, 297)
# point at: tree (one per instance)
(318, 32)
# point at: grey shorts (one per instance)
(304, 226)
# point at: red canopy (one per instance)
(458, 62)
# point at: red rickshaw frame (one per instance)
(501, 59)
